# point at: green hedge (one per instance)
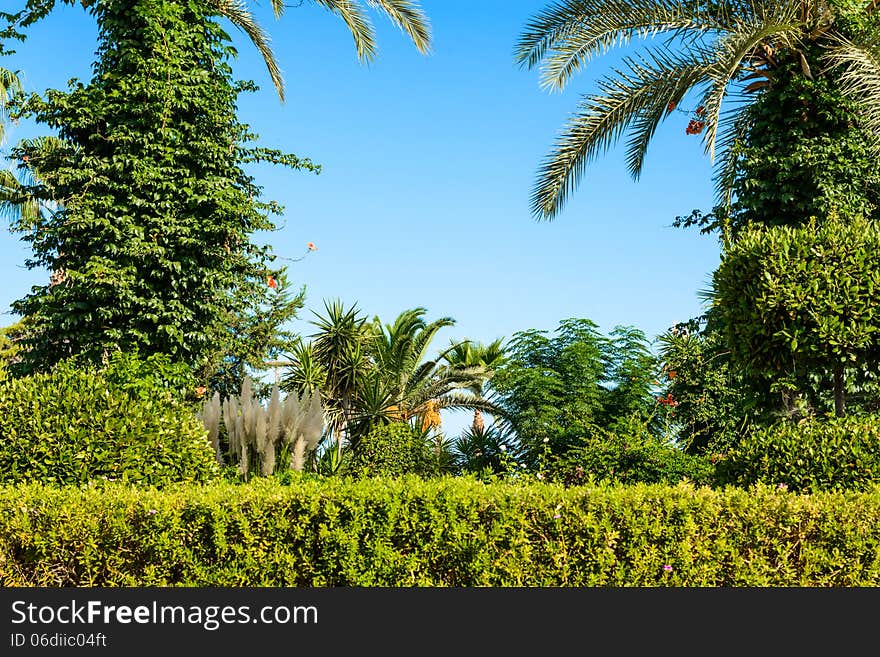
(76, 424)
(826, 453)
(443, 532)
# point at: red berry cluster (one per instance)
(696, 125)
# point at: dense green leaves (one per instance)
(802, 301)
(151, 245)
(409, 532)
(560, 386)
(75, 425)
(813, 455)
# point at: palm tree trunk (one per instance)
(478, 425)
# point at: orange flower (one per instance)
(671, 374)
(271, 282)
(200, 391)
(25, 159)
(700, 111)
(311, 246)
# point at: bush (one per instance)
(629, 457)
(444, 532)
(815, 454)
(73, 425)
(391, 450)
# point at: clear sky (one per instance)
(428, 165)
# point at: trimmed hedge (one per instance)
(76, 424)
(443, 532)
(390, 450)
(826, 453)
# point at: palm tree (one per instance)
(10, 86)
(406, 14)
(488, 357)
(338, 354)
(408, 383)
(372, 373)
(719, 51)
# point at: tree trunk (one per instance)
(839, 393)
(479, 425)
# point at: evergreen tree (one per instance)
(151, 243)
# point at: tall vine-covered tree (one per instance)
(720, 58)
(151, 241)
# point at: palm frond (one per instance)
(601, 119)
(358, 24)
(10, 86)
(410, 18)
(674, 77)
(734, 128)
(778, 23)
(858, 66)
(238, 15)
(592, 27)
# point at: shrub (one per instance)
(815, 454)
(73, 425)
(143, 377)
(799, 308)
(628, 457)
(391, 450)
(444, 532)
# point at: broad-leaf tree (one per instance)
(149, 239)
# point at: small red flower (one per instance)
(671, 106)
(700, 111)
(272, 282)
(25, 159)
(311, 246)
(672, 374)
(695, 127)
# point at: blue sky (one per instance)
(428, 164)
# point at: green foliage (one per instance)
(74, 425)
(150, 247)
(798, 136)
(629, 455)
(712, 405)
(450, 532)
(815, 454)
(804, 155)
(801, 302)
(372, 374)
(484, 450)
(8, 347)
(560, 387)
(144, 378)
(391, 450)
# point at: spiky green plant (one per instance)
(724, 53)
(406, 14)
